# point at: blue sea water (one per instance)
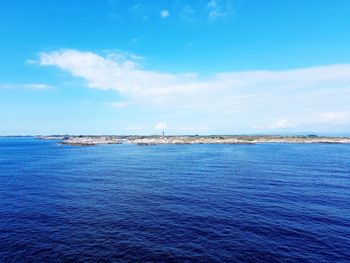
(174, 203)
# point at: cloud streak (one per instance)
(282, 94)
(26, 86)
(161, 126)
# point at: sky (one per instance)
(185, 67)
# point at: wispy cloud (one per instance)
(161, 126)
(219, 8)
(138, 10)
(337, 118)
(195, 128)
(118, 105)
(26, 86)
(324, 119)
(281, 124)
(187, 13)
(136, 6)
(134, 128)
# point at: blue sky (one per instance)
(189, 67)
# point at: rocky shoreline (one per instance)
(82, 140)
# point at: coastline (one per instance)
(86, 140)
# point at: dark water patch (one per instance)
(174, 203)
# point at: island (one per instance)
(90, 140)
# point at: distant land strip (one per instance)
(82, 140)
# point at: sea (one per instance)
(174, 203)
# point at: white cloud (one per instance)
(164, 13)
(161, 126)
(111, 72)
(228, 97)
(27, 86)
(125, 75)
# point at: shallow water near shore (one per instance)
(174, 203)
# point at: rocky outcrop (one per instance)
(91, 140)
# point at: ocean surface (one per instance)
(174, 203)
